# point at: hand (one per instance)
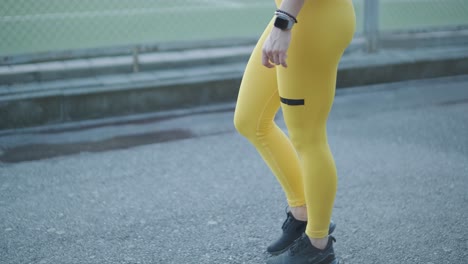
(275, 48)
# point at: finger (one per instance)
(276, 58)
(271, 56)
(267, 54)
(283, 57)
(266, 61)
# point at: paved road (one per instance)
(188, 189)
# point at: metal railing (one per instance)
(28, 28)
(371, 24)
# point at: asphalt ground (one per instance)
(186, 188)
(54, 25)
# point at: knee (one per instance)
(244, 125)
(299, 142)
(251, 127)
(305, 140)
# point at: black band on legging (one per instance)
(292, 101)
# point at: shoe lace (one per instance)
(298, 245)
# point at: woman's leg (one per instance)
(257, 105)
(307, 89)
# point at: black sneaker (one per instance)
(303, 252)
(292, 230)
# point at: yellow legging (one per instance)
(302, 163)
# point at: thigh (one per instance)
(307, 94)
(318, 42)
(258, 94)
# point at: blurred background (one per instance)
(53, 25)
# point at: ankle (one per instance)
(320, 243)
(300, 212)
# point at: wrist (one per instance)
(278, 31)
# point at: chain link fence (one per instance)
(49, 25)
(34, 26)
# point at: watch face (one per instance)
(281, 23)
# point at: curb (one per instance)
(123, 94)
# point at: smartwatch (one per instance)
(283, 22)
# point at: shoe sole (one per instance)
(330, 231)
(276, 253)
(330, 260)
